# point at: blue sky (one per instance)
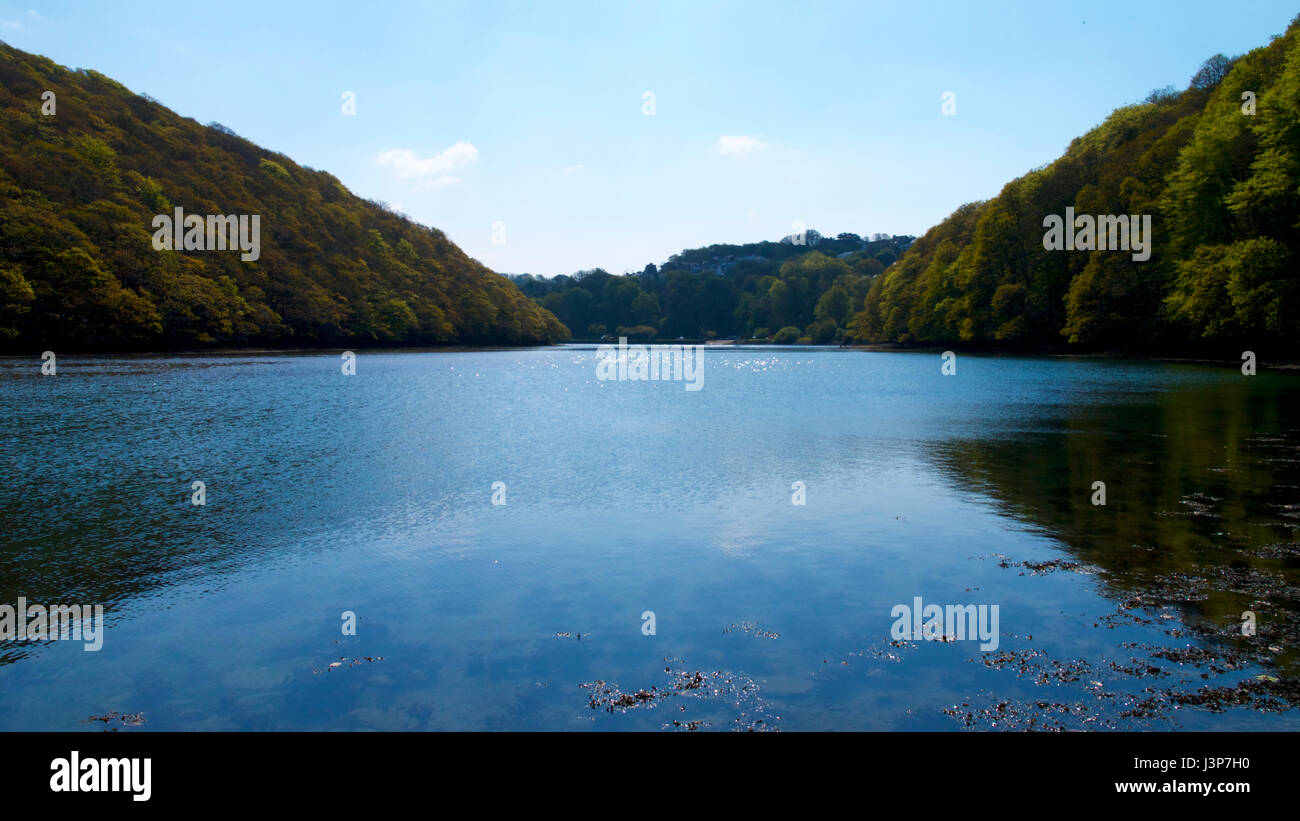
(765, 114)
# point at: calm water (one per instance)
(373, 494)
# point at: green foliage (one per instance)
(726, 290)
(822, 332)
(273, 169)
(636, 333)
(786, 336)
(1228, 290)
(16, 297)
(1222, 187)
(149, 192)
(78, 194)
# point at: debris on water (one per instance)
(1200, 505)
(602, 694)
(1020, 659)
(1268, 694)
(344, 662)
(688, 726)
(751, 628)
(1276, 550)
(1170, 602)
(718, 687)
(1033, 715)
(1258, 583)
(1140, 670)
(1036, 663)
(123, 719)
(1051, 566)
(1218, 661)
(885, 650)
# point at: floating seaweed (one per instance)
(123, 719)
(751, 628)
(344, 662)
(738, 689)
(1051, 566)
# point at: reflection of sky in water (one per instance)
(372, 494)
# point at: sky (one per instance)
(524, 130)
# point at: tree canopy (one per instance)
(79, 189)
(1217, 167)
(744, 291)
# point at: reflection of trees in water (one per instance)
(83, 554)
(1202, 486)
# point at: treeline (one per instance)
(1216, 166)
(79, 189)
(803, 288)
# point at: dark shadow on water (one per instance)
(1202, 502)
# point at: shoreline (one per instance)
(1279, 365)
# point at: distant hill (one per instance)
(1222, 188)
(79, 190)
(804, 287)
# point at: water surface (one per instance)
(373, 494)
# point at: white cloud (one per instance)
(739, 146)
(17, 25)
(433, 171)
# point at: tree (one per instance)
(1221, 184)
(786, 336)
(835, 306)
(822, 332)
(16, 297)
(79, 192)
(1211, 72)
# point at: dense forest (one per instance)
(1214, 170)
(1217, 168)
(804, 288)
(83, 174)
